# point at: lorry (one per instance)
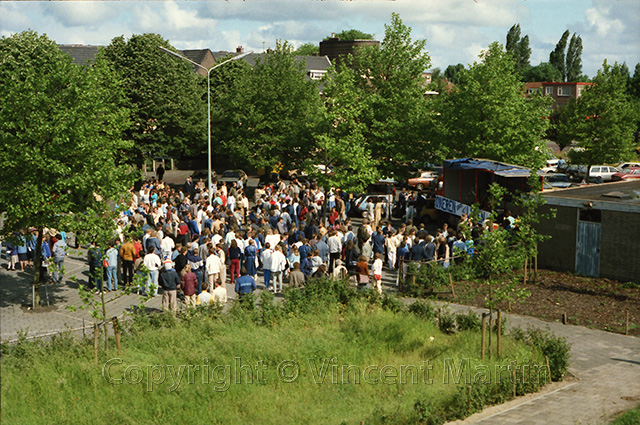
(466, 182)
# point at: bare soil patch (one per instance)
(596, 303)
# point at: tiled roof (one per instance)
(81, 54)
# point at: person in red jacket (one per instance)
(189, 284)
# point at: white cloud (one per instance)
(79, 13)
(599, 21)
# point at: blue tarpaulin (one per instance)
(498, 168)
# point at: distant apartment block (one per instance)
(561, 93)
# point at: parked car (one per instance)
(576, 172)
(627, 174)
(624, 165)
(604, 171)
(561, 181)
(423, 180)
(361, 203)
(230, 176)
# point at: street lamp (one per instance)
(210, 185)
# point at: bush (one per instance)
(423, 309)
(468, 322)
(447, 322)
(392, 303)
(556, 348)
(427, 414)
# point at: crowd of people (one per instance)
(179, 240)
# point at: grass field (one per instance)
(333, 363)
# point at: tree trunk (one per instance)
(37, 262)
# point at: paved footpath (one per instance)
(605, 366)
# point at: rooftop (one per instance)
(616, 196)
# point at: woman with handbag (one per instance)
(362, 272)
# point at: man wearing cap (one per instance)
(169, 282)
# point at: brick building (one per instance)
(596, 231)
(560, 92)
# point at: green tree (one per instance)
(352, 34)
(557, 57)
(307, 49)
(340, 141)
(519, 48)
(568, 60)
(634, 83)
(544, 72)
(603, 120)
(395, 113)
(165, 96)
(488, 116)
(454, 72)
(269, 113)
(61, 145)
(574, 59)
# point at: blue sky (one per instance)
(456, 30)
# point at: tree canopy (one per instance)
(602, 120)
(395, 115)
(60, 131)
(268, 114)
(307, 49)
(352, 34)
(488, 116)
(519, 48)
(568, 60)
(166, 98)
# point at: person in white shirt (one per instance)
(278, 265)
(265, 257)
(213, 265)
(167, 245)
(376, 268)
(335, 248)
(219, 294)
(204, 297)
(153, 263)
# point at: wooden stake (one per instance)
(564, 318)
(84, 331)
(535, 276)
(116, 330)
(525, 271)
(514, 382)
(548, 367)
(453, 292)
(626, 329)
(484, 326)
(95, 343)
(469, 398)
(499, 330)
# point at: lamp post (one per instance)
(210, 185)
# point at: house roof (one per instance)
(81, 54)
(616, 196)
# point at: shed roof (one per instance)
(616, 196)
(81, 54)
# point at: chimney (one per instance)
(239, 49)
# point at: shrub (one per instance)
(556, 348)
(447, 322)
(427, 414)
(423, 309)
(392, 303)
(468, 322)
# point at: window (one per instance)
(564, 91)
(548, 90)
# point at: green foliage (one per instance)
(166, 97)
(556, 348)
(568, 60)
(269, 113)
(488, 116)
(602, 120)
(447, 322)
(543, 72)
(423, 309)
(557, 56)
(468, 322)
(351, 35)
(307, 49)
(389, 79)
(519, 49)
(630, 417)
(60, 139)
(453, 73)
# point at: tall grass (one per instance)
(57, 382)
